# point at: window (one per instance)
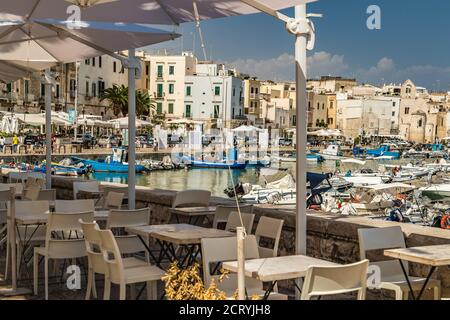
(171, 88)
(159, 93)
(27, 87)
(159, 108)
(216, 111)
(256, 90)
(330, 120)
(114, 66)
(99, 62)
(252, 90)
(72, 86)
(93, 61)
(323, 106)
(42, 90)
(171, 108)
(406, 110)
(318, 106)
(217, 90)
(188, 91)
(147, 70)
(87, 88)
(187, 112)
(94, 89)
(393, 104)
(87, 62)
(420, 123)
(101, 87)
(294, 120)
(171, 70)
(160, 71)
(331, 104)
(393, 113)
(57, 91)
(234, 92)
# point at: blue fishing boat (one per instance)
(314, 157)
(117, 162)
(62, 170)
(226, 163)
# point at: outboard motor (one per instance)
(230, 191)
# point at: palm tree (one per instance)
(145, 103)
(117, 97)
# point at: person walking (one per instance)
(2, 144)
(15, 143)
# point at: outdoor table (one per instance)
(433, 256)
(278, 268)
(184, 235)
(193, 213)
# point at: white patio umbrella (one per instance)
(247, 129)
(23, 38)
(122, 123)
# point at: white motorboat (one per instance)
(436, 192)
(332, 152)
(370, 199)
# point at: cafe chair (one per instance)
(268, 229)
(392, 276)
(60, 247)
(96, 263)
(234, 221)
(336, 280)
(223, 212)
(116, 273)
(218, 250)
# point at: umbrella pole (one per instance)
(132, 67)
(48, 130)
(302, 116)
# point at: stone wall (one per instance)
(329, 237)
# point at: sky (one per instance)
(411, 44)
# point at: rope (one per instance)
(202, 43)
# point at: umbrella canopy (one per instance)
(123, 123)
(48, 42)
(139, 11)
(247, 129)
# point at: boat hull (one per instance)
(97, 166)
(218, 165)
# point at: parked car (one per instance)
(285, 142)
(85, 139)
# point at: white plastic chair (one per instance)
(69, 206)
(31, 193)
(117, 273)
(119, 219)
(49, 195)
(325, 281)
(96, 263)
(60, 248)
(113, 200)
(234, 221)
(89, 186)
(218, 250)
(223, 212)
(269, 228)
(392, 276)
(191, 198)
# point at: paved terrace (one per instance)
(330, 237)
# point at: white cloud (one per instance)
(283, 67)
(324, 63)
